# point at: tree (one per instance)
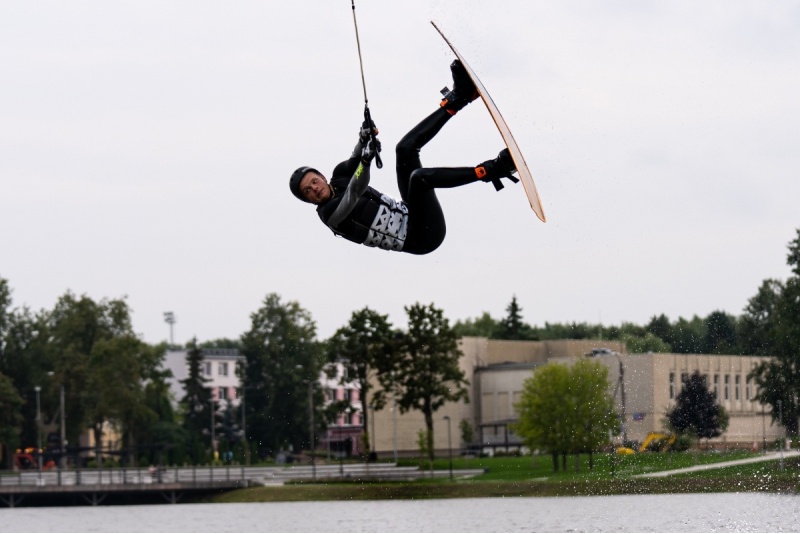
(196, 403)
(10, 419)
(566, 409)
(594, 407)
(512, 326)
(696, 411)
(282, 357)
(102, 365)
(757, 325)
(483, 326)
(427, 374)
(772, 323)
(366, 347)
(720, 335)
(647, 343)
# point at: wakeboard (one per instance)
(523, 172)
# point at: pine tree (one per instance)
(196, 403)
(696, 410)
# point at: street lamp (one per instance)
(169, 318)
(311, 427)
(37, 389)
(62, 446)
(449, 446)
(310, 422)
(620, 385)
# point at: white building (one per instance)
(219, 367)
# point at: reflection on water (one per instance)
(739, 512)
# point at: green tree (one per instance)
(512, 326)
(483, 326)
(566, 409)
(196, 404)
(427, 374)
(696, 411)
(10, 420)
(25, 359)
(647, 343)
(720, 337)
(366, 347)
(688, 335)
(758, 322)
(660, 327)
(594, 408)
(772, 322)
(102, 365)
(282, 356)
(544, 411)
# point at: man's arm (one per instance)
(365, 149)
(357, 187)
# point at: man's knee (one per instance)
(419, 179)
(406, 149)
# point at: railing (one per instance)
(119, 475)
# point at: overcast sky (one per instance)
(145, 150)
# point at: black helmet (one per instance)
(294, 181)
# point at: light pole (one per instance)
(169, 318)
(37, 389)
(213, 433)
(620, 385)
(780, 420)
(622, 393)
(311, 427)
(244, 430)
(310, 421)
(449, 446)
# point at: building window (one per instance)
(222, 369)
(737, 386)
(727, 387)
(353, 395)
(207, 368)
(672, 385)
(747, 392)
(222, 393)
(684, 378)
(716, 386)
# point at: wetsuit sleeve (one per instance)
(357, 187)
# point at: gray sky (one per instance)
(145, 150)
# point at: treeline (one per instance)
(109, 375)
(717, 333)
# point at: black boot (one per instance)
(463, 92)
(500, 167)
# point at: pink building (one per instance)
(343, 437)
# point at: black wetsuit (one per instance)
(415, 225)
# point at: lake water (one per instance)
(736, 512)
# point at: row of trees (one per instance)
(108, 374)
(418, 367)
(88, 350)
(718, 333)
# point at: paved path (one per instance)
(705, 467)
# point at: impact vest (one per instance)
(376, 221)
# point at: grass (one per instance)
(605, 465)
(534, 477)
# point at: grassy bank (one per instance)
(526, 477)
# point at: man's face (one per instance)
(315, 187)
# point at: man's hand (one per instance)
(370, 150)
(367, 131)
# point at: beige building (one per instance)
(496, 371)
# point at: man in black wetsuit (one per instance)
(359, 213)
